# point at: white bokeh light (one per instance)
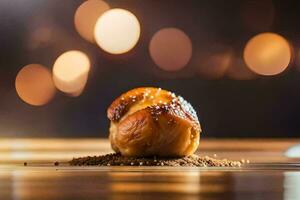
(117, 31)
(70, 72)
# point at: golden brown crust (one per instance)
(151, 121)
(122, 104)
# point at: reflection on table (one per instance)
(270, 175)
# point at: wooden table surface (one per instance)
(273, 172)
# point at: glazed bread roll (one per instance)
(153, 122)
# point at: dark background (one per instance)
(257, 107)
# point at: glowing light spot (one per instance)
(170, 49)
(39, 37)
(213, 65)
(238, 70)
(34, 85)
(117, 31)
(86, 17)
(267, 54)
(41, 32)
(70, 72)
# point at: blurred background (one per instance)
(63, 62)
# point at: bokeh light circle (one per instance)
(86, 17)
(117, 31)
(170, 49)
(70, 72)
(267, 54)
(214, 61)
(238, 70)
(34, 85)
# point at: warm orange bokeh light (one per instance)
(86, 17)
(70, 72)
(213, 64)
(238, 70)
(170, 49)
(267, 54)
(117, 31)
(34, 85)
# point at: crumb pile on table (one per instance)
(115, 159)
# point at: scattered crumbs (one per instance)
(56, 163)
(115, 159)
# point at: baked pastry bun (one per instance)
(153, 122)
